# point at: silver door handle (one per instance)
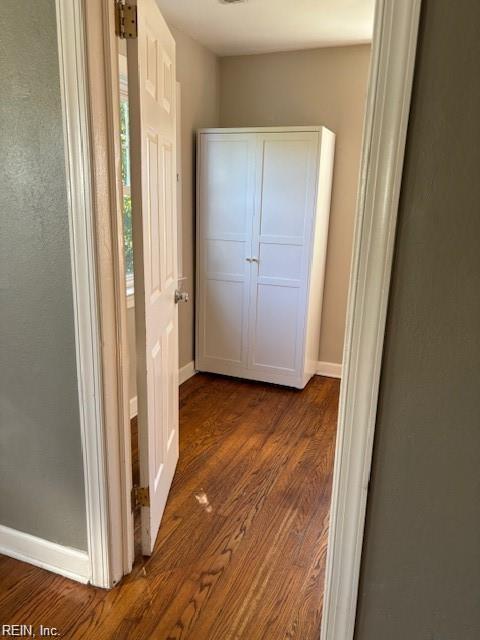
(252, 259)
(181, 296)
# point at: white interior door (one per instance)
(225, 199)
(283, 224)
(151, 73)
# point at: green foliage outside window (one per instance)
(127, 200)
(127, 234)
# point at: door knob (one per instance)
(181, 296)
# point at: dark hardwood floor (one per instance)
(242, 546)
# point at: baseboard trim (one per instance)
(186, 372)
(329, 369)
(133, 407)
(66, 561)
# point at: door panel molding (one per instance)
(281, 153)
(151, 80)
(222, 252)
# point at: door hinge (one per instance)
(140, 497)
(125, 20)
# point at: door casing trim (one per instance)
(383, 150)
(73, 85)
(103, 94)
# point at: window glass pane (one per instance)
(127, 234)
(127, 201)
(125, 142)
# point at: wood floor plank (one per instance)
(275, 542)
(242, 546)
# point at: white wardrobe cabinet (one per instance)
(263, 203)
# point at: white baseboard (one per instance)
(186, 372)
(329, 369)
(68, 562)
(133, 407)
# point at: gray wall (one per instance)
(420, 576)
(41, 473)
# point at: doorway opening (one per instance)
(260, 383)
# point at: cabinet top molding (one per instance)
(317, 128)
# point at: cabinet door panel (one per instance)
(284, 210)
(225, 176)
(280, 261)
(275, 324)
(223, 330)
(226, 199)
(284, 193)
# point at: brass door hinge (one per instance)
(125, 20)
(140, 497)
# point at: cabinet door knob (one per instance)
(248, 259)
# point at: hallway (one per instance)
(242, 546)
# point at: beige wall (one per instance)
(320, 86)
(198, 72)
(421, 557)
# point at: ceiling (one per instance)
(260, 26)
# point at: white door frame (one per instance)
(71, 48)
(388, 106)
(98, 267)
(88, 60)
